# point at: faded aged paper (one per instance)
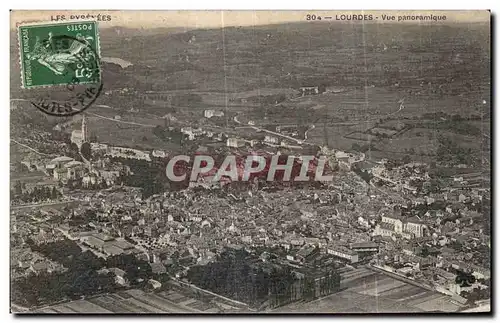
(250, 161)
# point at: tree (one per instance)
(356, 147)
(18, 189)
(134, 268)
(86, 150)
(73, 147)
(159, 131)
(20, 167)
(406, 159)
(54, 193)
(435, 186)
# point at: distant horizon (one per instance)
(211, 19)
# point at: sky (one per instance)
(217, 19)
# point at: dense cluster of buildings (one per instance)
(64, 169)
(392, 221)
(28, 262)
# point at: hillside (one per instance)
(288, 55)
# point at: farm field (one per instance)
(133, 301)
(367, 291)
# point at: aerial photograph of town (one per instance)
(222, 162)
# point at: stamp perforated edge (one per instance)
(49, 23)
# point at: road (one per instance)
(15, 308)
(390, 193)
(311, 127)
(385, 179)
(85, 160)
(356, 122)
(351, 123)
(22, 206)
(403, 279)
(299, 141)
(30, 148)
(121, 121)
(479, 309)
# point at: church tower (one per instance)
(85, 134)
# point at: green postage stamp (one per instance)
(59, 54)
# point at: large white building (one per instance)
(235, 142)
(343, 252)
(212, 113)
(407, 228)
(271, 139)
(64, 168)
